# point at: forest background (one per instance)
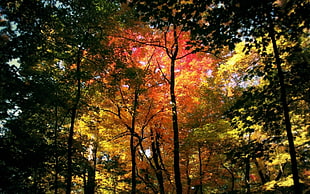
(177, 96)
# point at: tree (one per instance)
(99, 96)
(259, 104)
(229, 22)
(51, 67)
(124, 85)
(166, 17)
(28, 122)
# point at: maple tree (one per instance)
(185, 81)
(154, 97)
(131, 91)
(212, 26)
(124, 84)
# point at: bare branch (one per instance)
(163, 74)
(155, 43)
(165, 42)
(189, 53)
(109, 111)
(150, 119)
(120, 135)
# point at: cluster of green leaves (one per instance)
(45, 39)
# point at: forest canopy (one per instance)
(177, 96)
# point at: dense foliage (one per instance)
(184, 96)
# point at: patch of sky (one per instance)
(60, 65)
(147, 152)
(142, 63)
(3, 130)
(14, 112)
(14, 62)
(209, 72)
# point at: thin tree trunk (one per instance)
(187, 175)
(232, 188)
(200, 168)
(176, 149)
(133, 165)
(132, 144)
(56, 149)
(69, 159)
(288, 126)
(71, 130)
(247, 174)
(159, 174)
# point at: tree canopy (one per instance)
(137, 96)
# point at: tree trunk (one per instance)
(133, 164)
(260, 172)
(132, 144)
(232, 188)
(188, 179)
(69, 159)
(176, 148)
(288, 126)
(159, 174)
(247, 174)
(56, 150)
(200, 168)
(91, 175)
(71, 130)
(90, 183)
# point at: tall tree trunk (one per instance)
(132, 143)
(73, 116)
(176, 148)
(288, 126)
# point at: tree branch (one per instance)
(163, 74)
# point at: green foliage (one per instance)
(257, 118)
(46, 38)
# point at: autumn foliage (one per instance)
(154, 97)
